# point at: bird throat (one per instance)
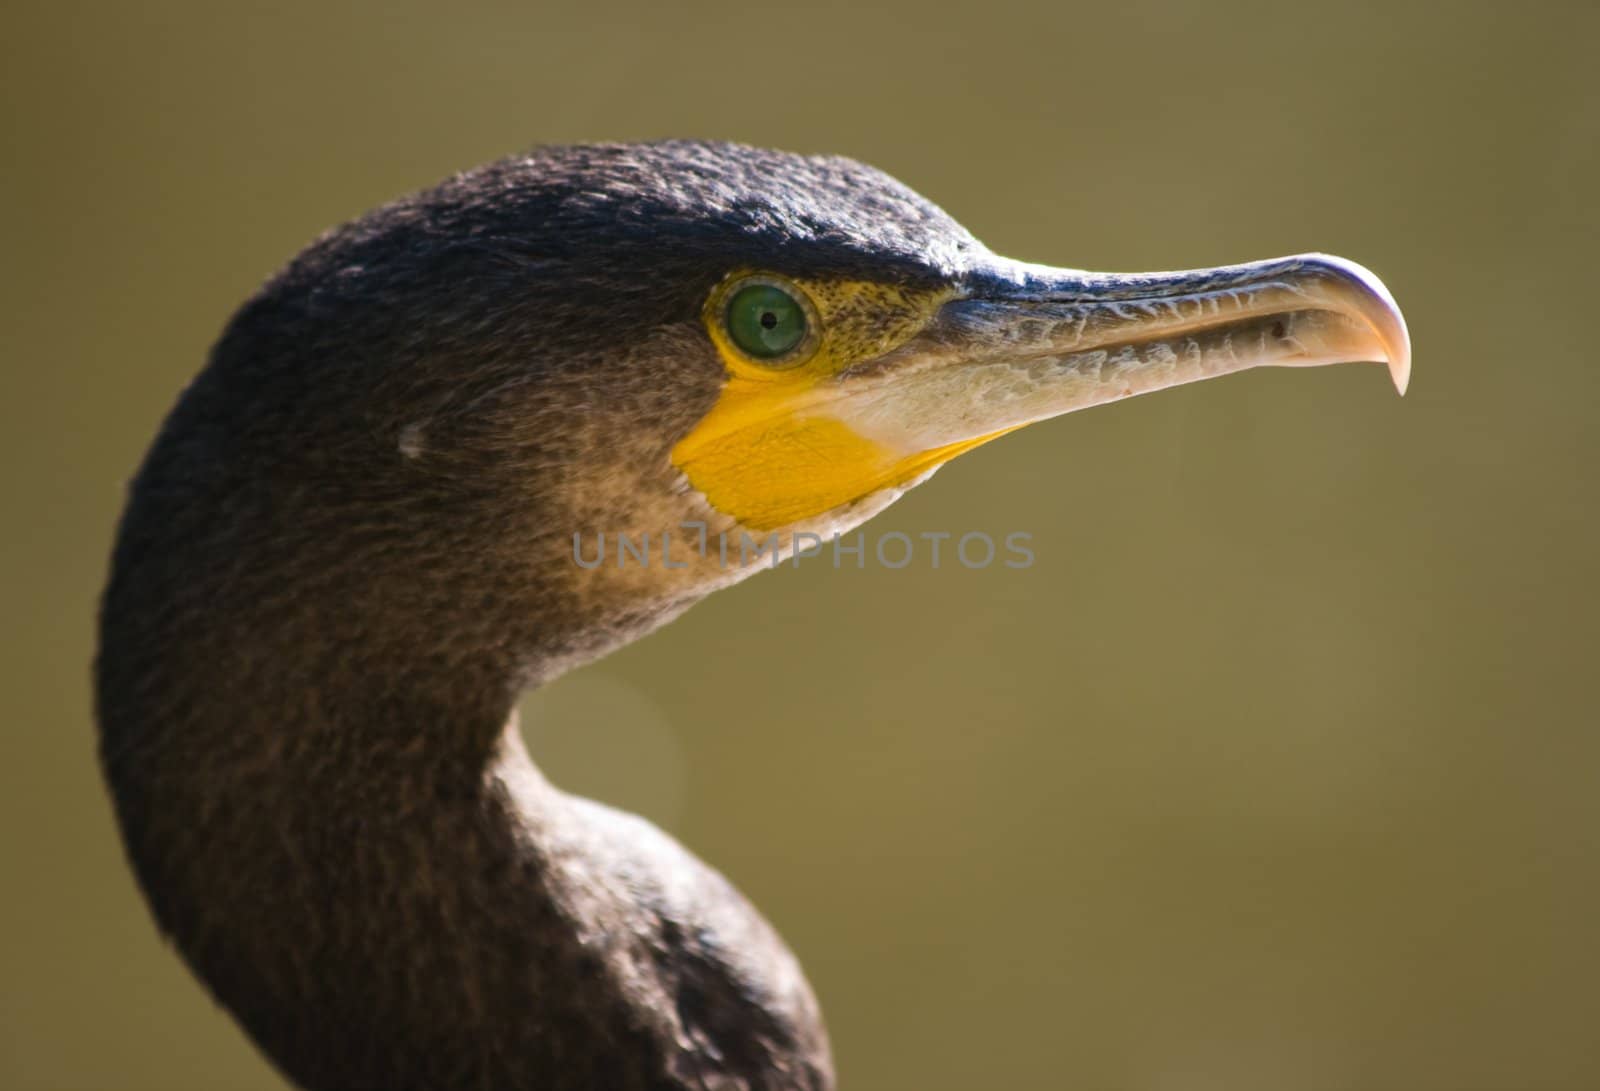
(333, 816)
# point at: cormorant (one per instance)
(351, 547)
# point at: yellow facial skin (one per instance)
(790, 442)
(768, 453)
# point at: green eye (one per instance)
(765, 321)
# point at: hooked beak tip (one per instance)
(1380, 312)
(1400, 372)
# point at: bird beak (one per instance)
(1024, 343)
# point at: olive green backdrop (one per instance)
(1280, 769)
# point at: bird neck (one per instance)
(312, 747)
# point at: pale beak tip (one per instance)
(1396, 346)
(1381, 313)
(1400, 372)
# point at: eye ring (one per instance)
(769, 320)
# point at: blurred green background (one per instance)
(1280, 769)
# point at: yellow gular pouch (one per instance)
(769, 454)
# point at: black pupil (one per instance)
(768, 320)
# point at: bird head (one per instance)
(682, 340)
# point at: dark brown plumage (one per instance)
(346, 555)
